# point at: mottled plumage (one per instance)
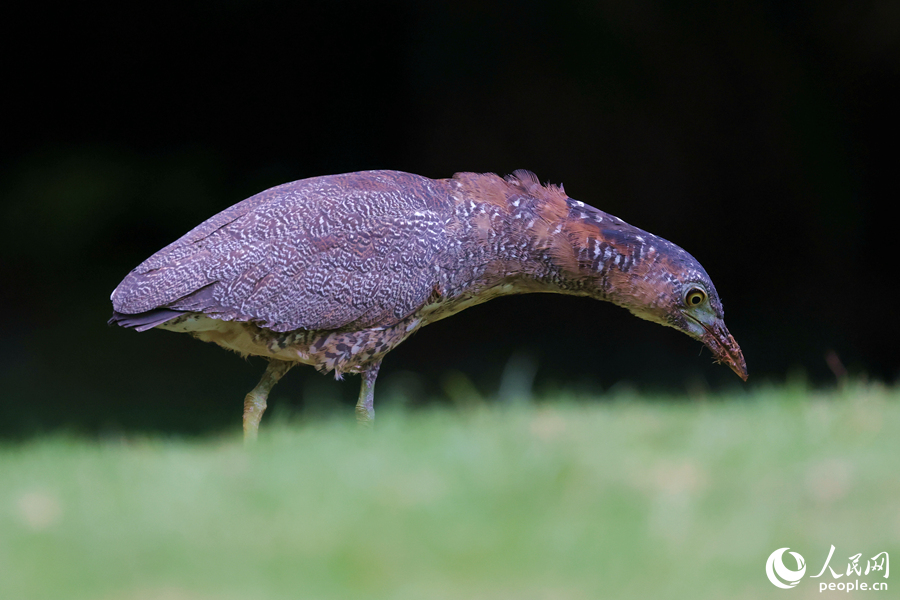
(335, 271)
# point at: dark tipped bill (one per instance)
(725, 348)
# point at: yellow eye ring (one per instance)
(695, 297)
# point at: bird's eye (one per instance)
(695, 297)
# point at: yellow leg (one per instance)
(255, 402)
(365, 408)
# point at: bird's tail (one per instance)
(145, 320)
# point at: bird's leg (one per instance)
(365, 408)
(255, 402)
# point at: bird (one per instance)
(336, 271)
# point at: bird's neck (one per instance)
(538, 239)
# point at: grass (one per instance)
(563, 499)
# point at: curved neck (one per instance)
(530, 238)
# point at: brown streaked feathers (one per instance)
(335, 271)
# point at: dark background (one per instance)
(756, 134)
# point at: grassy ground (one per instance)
(564, 499)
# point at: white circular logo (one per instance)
(775, 568)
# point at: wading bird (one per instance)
(336, 271)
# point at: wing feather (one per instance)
(358, 249)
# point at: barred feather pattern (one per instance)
(335, 271)
(321, 253)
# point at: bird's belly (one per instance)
(340, 351)
(243, 338)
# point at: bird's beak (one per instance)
(723, 346)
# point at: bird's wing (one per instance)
(355, 250)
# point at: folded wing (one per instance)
(356, 250)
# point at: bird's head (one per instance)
(696, 310)
(661, 282)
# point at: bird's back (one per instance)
(357, 250)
